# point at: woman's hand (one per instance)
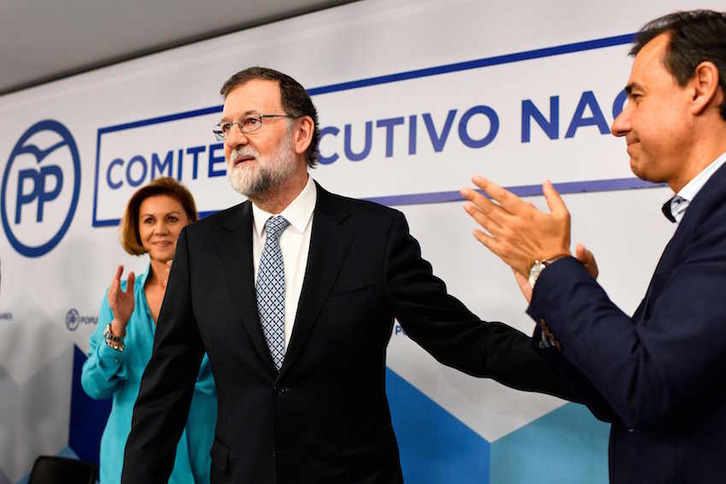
(121, 302)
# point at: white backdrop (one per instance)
(444, 87)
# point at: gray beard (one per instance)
(270, 174)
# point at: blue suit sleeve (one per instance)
(656, 367)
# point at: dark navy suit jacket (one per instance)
(658, 376)
(324, 417)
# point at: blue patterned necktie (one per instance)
(271, 289)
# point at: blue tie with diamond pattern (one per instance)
(271, 289)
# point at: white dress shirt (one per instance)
(680, 202)
(294, 243)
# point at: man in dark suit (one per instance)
(657, 376)
(293, 295)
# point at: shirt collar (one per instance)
(141, 279)
(686, 194)
(298, 213)
(692, 188)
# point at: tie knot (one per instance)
(275, 226)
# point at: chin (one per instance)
(637, 171)
(165, 257)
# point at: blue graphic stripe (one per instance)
(408, 75)
(162, 119)
(476, 64)
(521, 191)
(95, 222)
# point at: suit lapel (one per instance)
(705, 201)
(329, 243)
(235, 249)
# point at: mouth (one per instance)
(242, 159)
(162, 243)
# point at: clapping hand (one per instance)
(121, 302)
(518, 233)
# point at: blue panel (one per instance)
(435, 446)
(88, 416)
(566, 446)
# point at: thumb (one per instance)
(587, 259)
(583, 254)
(554, 201)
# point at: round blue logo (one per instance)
(73, 319)
(40, 188)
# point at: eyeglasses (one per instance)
(246, 125)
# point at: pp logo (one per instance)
(72, 319)
(40, 188)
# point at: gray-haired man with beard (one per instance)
(293, 296)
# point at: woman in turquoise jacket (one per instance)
(121, 346)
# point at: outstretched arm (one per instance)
(451, 333)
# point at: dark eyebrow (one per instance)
(632, 86)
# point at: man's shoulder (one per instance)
(357, 207)
(220, 218)
(212, 226)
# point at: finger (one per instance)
(474, 196)
(554, 200)
(486, 219)
(508, 200)
(491, 243)
(582, 254)
(587, 259)
(486, 240)
(130, 283)
(115, 282)
(119, 271)
(479, 202)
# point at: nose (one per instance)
(621, 124)
(162, 228)
(235, 137)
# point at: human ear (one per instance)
(705, 87)
(303, 134)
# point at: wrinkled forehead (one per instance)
(254, 96)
